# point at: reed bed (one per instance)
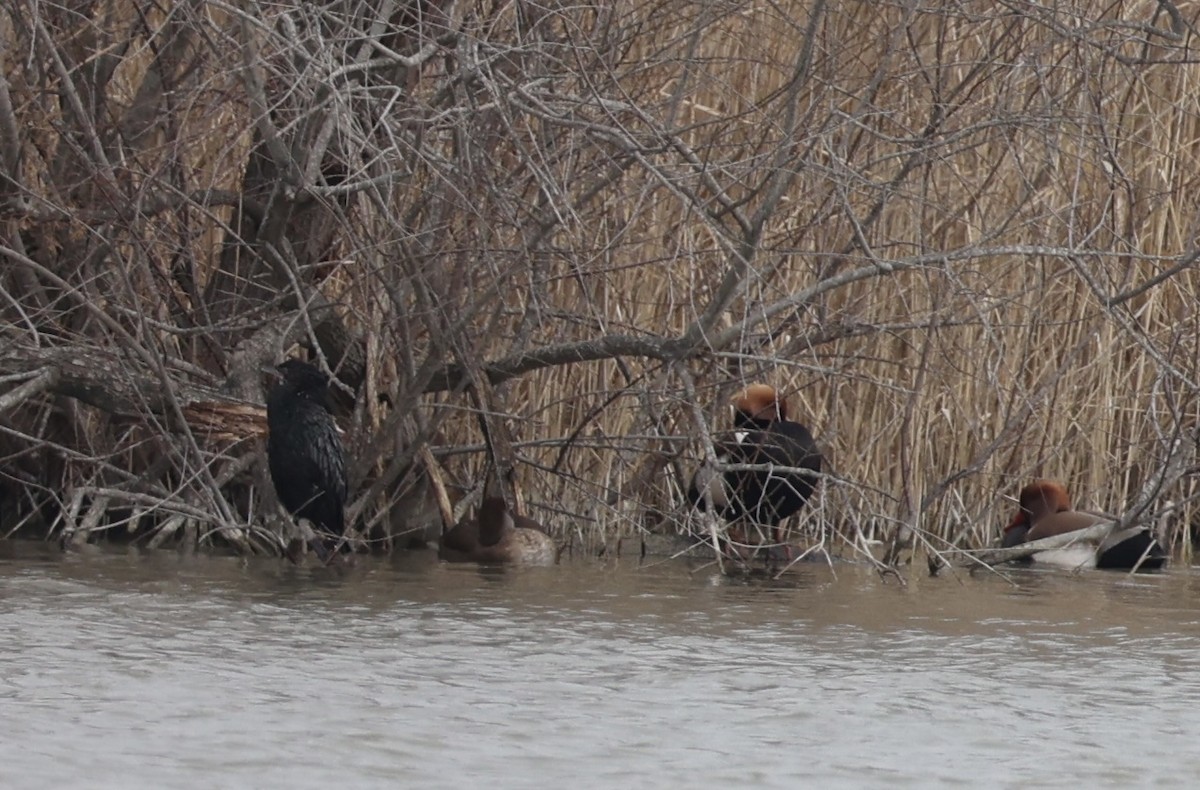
(960, 237)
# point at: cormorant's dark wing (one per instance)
(308, 465)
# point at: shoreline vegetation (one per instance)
(549, 244)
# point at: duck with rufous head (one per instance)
(1045, 510)
(763, 435)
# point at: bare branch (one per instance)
(43, 380)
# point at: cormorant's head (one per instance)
(304, 378)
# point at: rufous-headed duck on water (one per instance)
(1045, 510)
(763, 435)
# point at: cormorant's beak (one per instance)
(272, 372)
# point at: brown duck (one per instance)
(1045, 510)
(497, 536)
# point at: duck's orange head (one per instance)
(1040, 498)
(759, 403)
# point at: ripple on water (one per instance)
(226, 673)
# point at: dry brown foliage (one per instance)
(961, 236)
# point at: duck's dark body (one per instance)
(768, 497)
(763, 436)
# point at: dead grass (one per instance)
(1015, 172)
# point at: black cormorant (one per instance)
(304, 452)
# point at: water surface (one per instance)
(202, 672)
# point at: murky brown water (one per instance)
(207, 672)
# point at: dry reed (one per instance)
(960, 237)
